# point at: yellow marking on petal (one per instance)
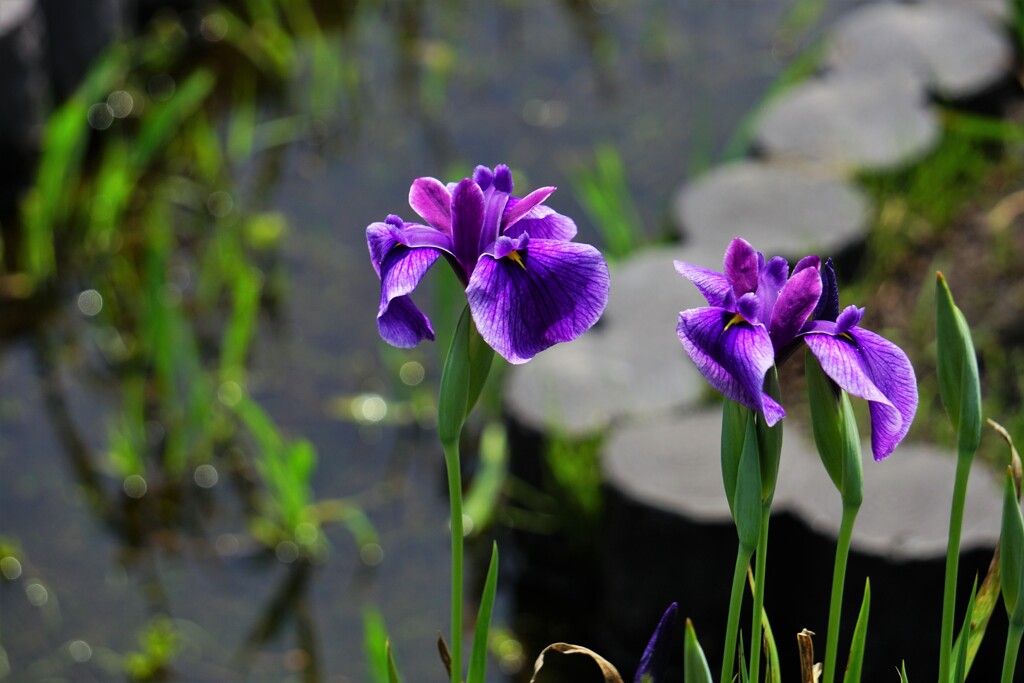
(736, 318)
(846, 336)
(514, 255)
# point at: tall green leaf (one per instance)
(696, 667)
(860, 636)
(478, 657)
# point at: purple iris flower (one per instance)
(528, 285)
(759, 312)
(654, 660)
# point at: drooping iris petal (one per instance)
(467, 222)
(516, 209)
(794, 306)
(848, 319)
(399, 321)
(864, 364)
(430, 199)
(549, 292)
(542, 222)
(655, 657)
(381, 238)
(811, 261)
(713, 286)
(741, 266)
(733, 356)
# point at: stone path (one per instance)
(629, 377)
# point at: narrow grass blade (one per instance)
(375, 644)
(860, 636)
(478, 658)
(960, 649)
(393, 676)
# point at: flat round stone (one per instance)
(777, 209)
(674, 466)
(954, 51)
(851, 121)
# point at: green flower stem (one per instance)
(451, 460)
(739, 577)
(838, 581)
(956, 519)
(1013, 637)
(755, 627)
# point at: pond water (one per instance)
(442, 86)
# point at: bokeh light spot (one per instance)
(371, 554)
(214, 27)
(229, 393)
(206, 476)
(411, 373)
(37, 594)
(100, 116)
(227, 545)
(80, 651)
(121, 103)
(306, 533)
(161, 87)
(135, 486)
(90, 302)
(287, 552)
(220, 203)
(369, 408)
(10, 567)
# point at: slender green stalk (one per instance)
(451, 460)
(739, 576)
(956, 519)
(755, 627)
(1013, 637)
(838, 581)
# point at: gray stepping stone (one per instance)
(675, 466)
(631, 364)
(954, 51)
(22, 73)
(779, 210)
(851, 121)
(997, 10)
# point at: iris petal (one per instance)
(430, 199)
(542, 222)
(552, 292)
(714, 286)
(741, 266)
(733, 358)
(518, 210)
(399, 321)
(655, 657)
(794, 306)
(467, 221)
(866, 365)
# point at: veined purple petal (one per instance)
(849, 318)
(380, 239)
(713, 286)
(733, 356)
(495, 199)
(811, 261)
(866, 365)
(655, 656)
(467, 222)
(770, 282)
(741, 266)
(543, 222)
(794, 306)
(430, 199)
(399, 321)
(549, 292)
(484, 177)
(828, 305)
(749, 306)
(517, 209)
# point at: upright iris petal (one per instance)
(758, 312)
(527, 284)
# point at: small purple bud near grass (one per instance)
(758, 313)
(528, 285)
(655, 657)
